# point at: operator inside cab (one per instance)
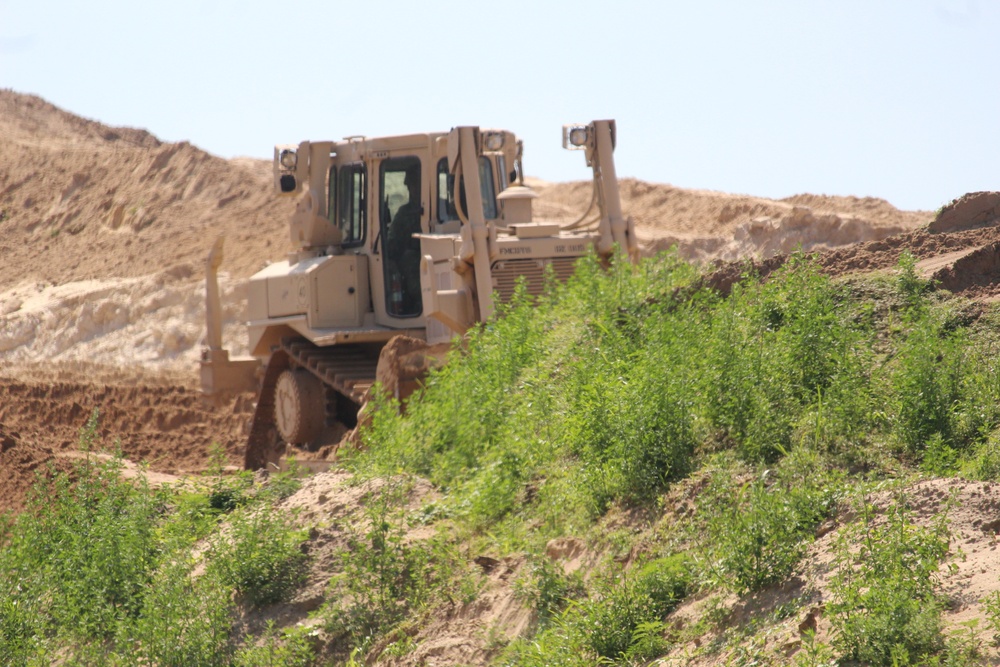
(402, 250)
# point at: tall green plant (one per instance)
(185, 620)
(90, 541)
(259, 555)
(772, 350)
(757, 531)
(925, 380)
(383, 577)
(886, 608)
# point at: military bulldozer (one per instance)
(415, 235)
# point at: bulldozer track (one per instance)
(262, 445)
(347, 370)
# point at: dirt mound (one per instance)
(98, 202)
(333, 504)
(965, 262)
(28, 117)
(970, 211)
(967, 576)
(164, 425)
(705, 225)
(81, 201)
(20, 464)
(154, 321)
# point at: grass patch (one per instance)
(103, 569)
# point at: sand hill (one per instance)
(106, 231)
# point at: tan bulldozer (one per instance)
(416, 236)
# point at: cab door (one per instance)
(401, 213)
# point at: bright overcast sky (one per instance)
(898, 99)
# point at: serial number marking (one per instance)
(515, 251)
(574, 248)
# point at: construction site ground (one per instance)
(106, 230)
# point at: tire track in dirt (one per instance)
(166, 426)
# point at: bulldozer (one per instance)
(418, 236)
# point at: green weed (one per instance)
(547, 589)
(756, 531)
(290, 649)
(185, 620)
(925, 380)
(90, 541)
(910, 285)
(621, 623)
(383, 577)
(259, 555)
(886, 608)
(991, 603)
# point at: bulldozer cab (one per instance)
(407, 191)
(401, 219)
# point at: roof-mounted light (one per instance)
(288, 159)
(576, 137)
(493, 141)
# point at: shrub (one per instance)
(925, 381)
(885, 608)
(259, 555)
(22, 627)
(984, 462)
(185, 620)
(756, 532)
(289, 649)
(772, 349)
(547, 588)
(910, 285)
(98, 569)
(86, 546)
(382, 577)
(623, 620)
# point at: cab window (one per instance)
(351, 203)
(502, 171)
(446, 192)
(331, 203)
(399, 220)
(486, 178)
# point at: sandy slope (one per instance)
(706, 225)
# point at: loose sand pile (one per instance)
(705, 225)
(153, 321)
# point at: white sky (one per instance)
(898, 99)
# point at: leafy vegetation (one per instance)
(100, 569)
(757, 532)
(697, 444)
(886, 608)
(607, 391)
(259, 556)
(383, 578)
